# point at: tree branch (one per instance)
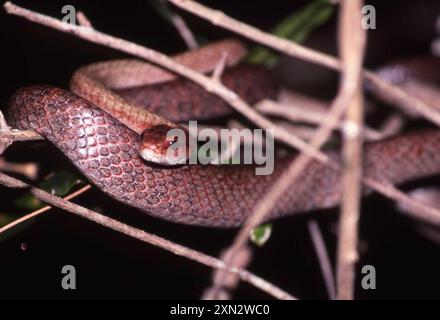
(352, 39)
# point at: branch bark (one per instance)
(352, 39)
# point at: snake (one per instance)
(100, 128)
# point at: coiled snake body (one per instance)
(106, 151)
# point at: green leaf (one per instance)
(162, 9)
(5, 218)
(259, 235)
(59, 183)
(27, 202)
(295, 27)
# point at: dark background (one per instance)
(111, 265)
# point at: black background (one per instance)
(111, 265)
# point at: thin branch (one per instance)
(20, 135)
(184, 31)
(3, 125)
(324, 260)
(145, 237)
(419, 210)
(6, 133)
(393, 94)
(29, 170)
(222, 282)
(396, 96)
(299, 113)
(220, 68)
(42, 210)
(352, 39)
(83, 20)
(392, 125)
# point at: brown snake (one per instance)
(106, 151)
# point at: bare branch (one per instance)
(83, 20)
(219, 68)
(21, 135)
(223, 282)
(29, 169)
(324, 260)
(42, 210)
(302, 113)
(184, 31)
(352, 39)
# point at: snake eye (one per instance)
(173, 140)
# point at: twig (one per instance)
(304, 131)
(83, 20)
(29, 170)
(6, 133)
(184, 31)
(387, 91)
(324, 260)
(392, 125)
(21, 135)
(435, 45)
(42, 210)
(352, 40)
(3, 125)
(396, 96)
(164, 61)
(145, 237)
(219, 68)
(419, 210)
(177, 21)
(223, 282)
(290, 97)
(299, 113)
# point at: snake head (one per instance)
(164, 144)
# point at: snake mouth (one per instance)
(153, 156)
